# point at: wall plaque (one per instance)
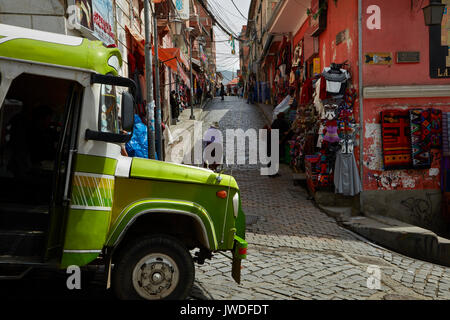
(408, 57)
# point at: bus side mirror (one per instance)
(127, 111)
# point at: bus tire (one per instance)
(154, 268)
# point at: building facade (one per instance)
(121, 23)
(396, 64)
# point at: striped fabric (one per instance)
(446, 134)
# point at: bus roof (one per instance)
(58, 49)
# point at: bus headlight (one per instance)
(236, 204)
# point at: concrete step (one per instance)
(401, 237)
(341, 214)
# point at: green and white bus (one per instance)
(67, 195)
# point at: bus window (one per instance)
(108, 120)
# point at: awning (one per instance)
(173, 58)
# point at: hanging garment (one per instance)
(323, 88)
(336, 80)
(283, 70)
(331, 134)
(420, 132)
(346, 176)
(292, 78)
(317, 100)
(321, 134)
(395, 127)
(306, 94)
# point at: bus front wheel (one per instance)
(154, 268)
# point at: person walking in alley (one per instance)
(222, 91)
(174, 106)
(282, 125)
(199, 95)
(250, 89)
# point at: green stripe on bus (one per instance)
(95, 164)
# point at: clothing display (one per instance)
(323, 129)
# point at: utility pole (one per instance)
(149, 81)
(192, 117)
(158, 142)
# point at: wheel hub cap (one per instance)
(155, 276)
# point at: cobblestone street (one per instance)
(298, 252)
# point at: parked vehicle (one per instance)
(68, 197)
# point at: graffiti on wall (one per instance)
(422, 209)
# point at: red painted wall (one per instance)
(402, 28)
(342, 16)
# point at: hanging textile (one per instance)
(395, 127)
(420, 132)
(307, 91)
(436, 128)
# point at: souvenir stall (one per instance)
(283, 68)
(325, 129)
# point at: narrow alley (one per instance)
(298, 252)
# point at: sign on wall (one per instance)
(182, 8)
(84, 13)
(440, 46)
(103, 20)
(378, 58)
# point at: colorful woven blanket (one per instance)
(420, 138)
(395, 130)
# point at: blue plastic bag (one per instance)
(138, 145)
